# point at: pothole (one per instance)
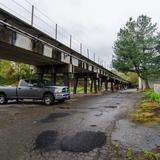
(64, 107)
(46, 140)
(99, 114)
(83, 141)
(92, 108)
(53, 116)
(93, 125)
(112, 107)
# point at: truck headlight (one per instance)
(58, 90)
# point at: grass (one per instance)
(152, 96)
(148, 110)
(80, 89)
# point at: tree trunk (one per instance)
(146, 84)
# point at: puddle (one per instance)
(137, 137)
(53, 116)
(83, 141)
(64, 107)
(93, 125)
(99, 114)
(112, 107)
(46, 140)
(92, 108)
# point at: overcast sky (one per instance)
(96, 23)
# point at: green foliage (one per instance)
(151, 156)
(10, 72)
(153, 96)
(129, 76)
(136, 48)
(129, 155)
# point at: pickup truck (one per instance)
(36, 90)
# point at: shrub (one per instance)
(153, 96)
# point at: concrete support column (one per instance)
(85, 85)
(99, 84)
(95, 85)
(91, 86)
(40, 73)
(53, 78)
(75, 85)
(40, 76)
(112, 89)
(106, 85)
(66, 79)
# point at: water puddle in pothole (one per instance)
(53, 116)
(83, 141)
(46, 140)
(111, 107)
(93, 125)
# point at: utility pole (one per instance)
(32, 16)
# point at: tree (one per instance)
(136, 48)
(129, 76)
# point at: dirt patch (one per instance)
(53, 116)
(46, 140)
(83, 141)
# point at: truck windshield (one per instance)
(24, 83)
(47, 83)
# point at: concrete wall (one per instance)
(151, 83)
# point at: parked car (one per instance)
(36, 90)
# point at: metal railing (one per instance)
(24, 10)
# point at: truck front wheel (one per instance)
(3, 99)
(48, 99)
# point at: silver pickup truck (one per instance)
(34, 89)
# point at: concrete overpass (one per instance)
(22, 42)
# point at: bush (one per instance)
(153, 96)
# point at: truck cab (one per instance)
(35, 89)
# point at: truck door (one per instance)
(23, 89)
(36, 88)
(29, 89)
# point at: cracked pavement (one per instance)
(20, 125)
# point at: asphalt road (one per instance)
(79, 129)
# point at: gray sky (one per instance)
(95, 23)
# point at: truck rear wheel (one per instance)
(3, 99)
(48, 99)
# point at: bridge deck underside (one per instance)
(16, 54)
